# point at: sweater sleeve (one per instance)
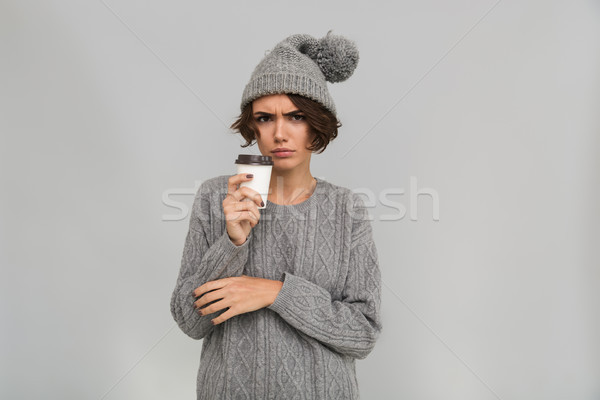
(203, 262)
(352, 325)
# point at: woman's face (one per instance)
(281, 125)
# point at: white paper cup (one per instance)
(260, 167)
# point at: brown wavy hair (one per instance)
(321, 121)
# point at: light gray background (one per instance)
(105, 105)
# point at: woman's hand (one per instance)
(241, 216)
(241, 294)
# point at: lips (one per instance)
(282, 152)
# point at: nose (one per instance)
(279, 134)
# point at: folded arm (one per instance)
(351, 325)
(202, 262)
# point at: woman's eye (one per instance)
(296, 117)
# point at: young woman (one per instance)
(285, 298)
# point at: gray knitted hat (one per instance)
(301, 64)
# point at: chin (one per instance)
(285, 163)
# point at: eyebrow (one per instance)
(288, 114)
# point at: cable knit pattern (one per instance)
(304, 345)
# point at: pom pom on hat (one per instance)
(336, 56)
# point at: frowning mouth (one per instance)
(282, 152)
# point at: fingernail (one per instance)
(262, 203)
(250, 176)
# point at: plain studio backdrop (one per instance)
(470, 127)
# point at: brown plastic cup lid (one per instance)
(252, 159)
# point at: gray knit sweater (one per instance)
(326, 315)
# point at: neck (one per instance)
(290, 187)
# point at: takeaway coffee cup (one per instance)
(261, 167)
